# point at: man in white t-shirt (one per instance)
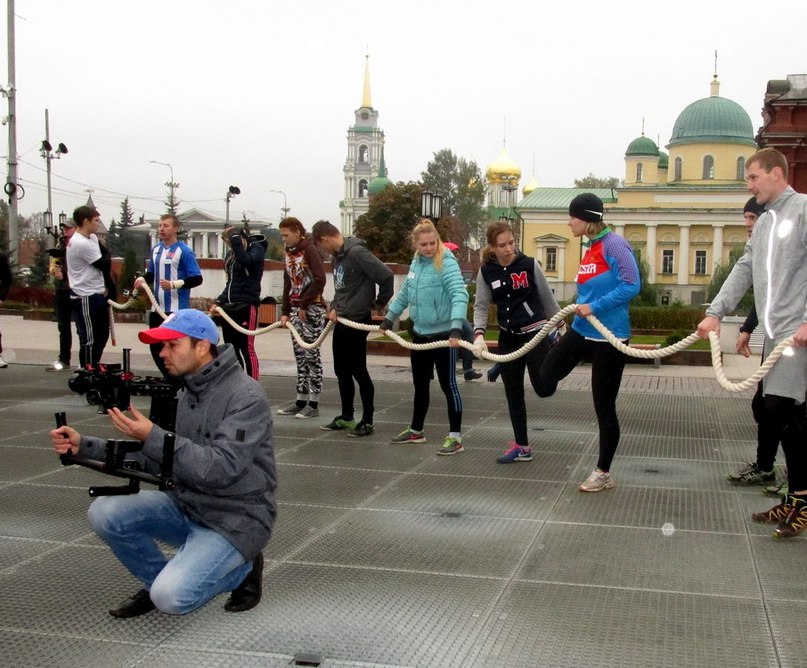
(88, 269)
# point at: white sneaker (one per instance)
(58, 365)
(597, 481)
(3, 363)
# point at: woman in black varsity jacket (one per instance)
(524, 301)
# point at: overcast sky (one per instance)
(260, 93)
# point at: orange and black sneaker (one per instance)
(774, 515)
(796, 520)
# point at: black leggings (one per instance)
(245, 315)
(513, 378)
(445, 361)
(350, 362)
(607, 365)
(790, 416)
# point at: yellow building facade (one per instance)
(681, 212)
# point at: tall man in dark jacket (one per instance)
(222, 508)
(356, 272)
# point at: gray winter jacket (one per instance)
(224, 462)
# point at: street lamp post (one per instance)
(431, 206)
(285, 210)
(232, 191)
(171, 185)
(48, 154)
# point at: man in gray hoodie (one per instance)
(356, 273)
(775, 263)
(222, 508)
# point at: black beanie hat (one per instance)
(587, 207)
(751, 206)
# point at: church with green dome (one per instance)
(681, 210)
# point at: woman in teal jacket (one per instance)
(435, 293)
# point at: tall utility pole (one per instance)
(11, 187)
(171, 185)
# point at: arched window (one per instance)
(363, 153)
(639, 170)
(708, 167)
(679, 167)
(363, 188)
(741, 168)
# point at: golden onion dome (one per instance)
(532, 185)
(503, 170)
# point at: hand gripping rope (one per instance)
(479, 348)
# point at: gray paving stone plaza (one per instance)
(388, 555)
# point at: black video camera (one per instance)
(113, 385)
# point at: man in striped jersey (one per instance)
(171, 272)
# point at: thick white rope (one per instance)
(479, 348)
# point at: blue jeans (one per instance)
(205, 565)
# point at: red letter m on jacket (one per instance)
(519, 280)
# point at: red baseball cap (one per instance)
(451, 246)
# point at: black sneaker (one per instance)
(750, 474)
(473, 374)
(134, 606)
(362, 429)
(248, 594)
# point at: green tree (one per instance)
(648, 293)
(388, 223)
(128, 270)
(719, 276)
(114, 239)
(460, 183)
(592, 181)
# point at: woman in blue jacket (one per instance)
(608, 278)
(435, 293)
(242, 294)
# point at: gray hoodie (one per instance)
(356, 272)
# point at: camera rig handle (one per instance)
(115, 464)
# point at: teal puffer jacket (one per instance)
(437, 300)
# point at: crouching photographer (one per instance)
(221, 508)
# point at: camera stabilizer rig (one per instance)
(116, 464)
(113, 385)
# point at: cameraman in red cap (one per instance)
(220, 513)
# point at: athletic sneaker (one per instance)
(3, 363)
(338, 423)
(451, 446)
(515, 453)
(775, 515)
(362, 429)
(473, 374)
(307, 412)
(58, 365)
(750, 474)
(597, 481)
(409, 435)
(796, 520)
(289, 409)
(777, 491)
